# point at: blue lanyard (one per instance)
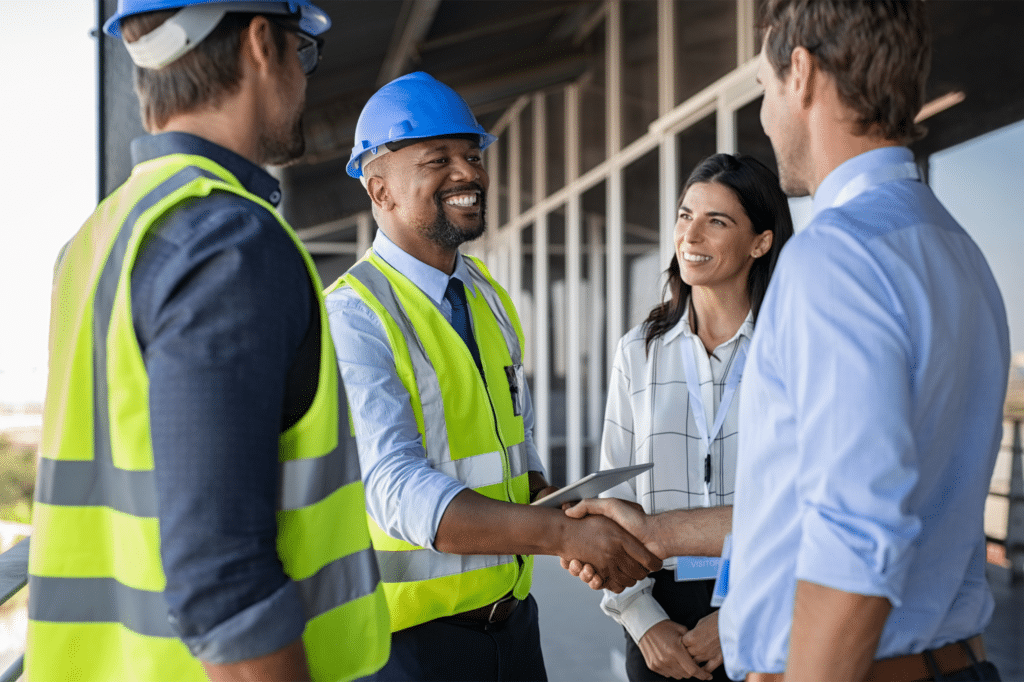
(874, 177)
(699, 411)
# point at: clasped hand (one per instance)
(631, 517)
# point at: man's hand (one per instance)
(629, 515)
(703, 644)
(665, 653)
(613, 555)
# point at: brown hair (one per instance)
(878, 52)
(201, 77)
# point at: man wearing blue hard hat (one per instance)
(431, 350)
(200, 510)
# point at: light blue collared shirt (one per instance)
(871, 417)
(404, 494)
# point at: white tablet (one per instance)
(591, 485)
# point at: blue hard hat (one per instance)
(313, 20)
(414, 106)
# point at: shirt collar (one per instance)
(429, 279)
(834, 182)
(682, 328)
(254, 178)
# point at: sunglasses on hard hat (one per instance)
(309, 46)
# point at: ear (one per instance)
(257, 44)
(802, 71)
(378, 191)
(763, 244)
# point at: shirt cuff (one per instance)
(265, 627)
(637, 612)
(846, 554)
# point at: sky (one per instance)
(48, 133)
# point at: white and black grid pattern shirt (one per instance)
(648, 418)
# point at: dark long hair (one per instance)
(758, 191)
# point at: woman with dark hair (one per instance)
(673, 398)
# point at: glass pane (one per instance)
(557, 313)
(594, 330)
(526, 157)
(592, 105)
(705, 44)
(639, 68)
(555, 144)
(694, 144)
(641, 237)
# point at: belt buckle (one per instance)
(494, 608)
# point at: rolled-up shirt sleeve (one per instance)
(218, 337)
(405, 496)
(858, 467)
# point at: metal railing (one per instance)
(1014, 541)
(13, 577)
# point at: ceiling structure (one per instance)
(493, 52)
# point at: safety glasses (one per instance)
(310, 47)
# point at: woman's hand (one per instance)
(702, 642)
(665, 653)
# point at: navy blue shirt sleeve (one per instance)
(221, 302)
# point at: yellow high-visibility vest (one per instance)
(471, 427)
(96, 608)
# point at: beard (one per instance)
(284, 144)
(445, 233)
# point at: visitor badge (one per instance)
(696, 567)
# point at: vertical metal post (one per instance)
(666, 56)
(541, 350)
(615, 198)
(746, 39)
(573, 293)
(1015, 520)
(595, 355)
(725, 127)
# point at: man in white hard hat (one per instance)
(199, 510)
(431, 350)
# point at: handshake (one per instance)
(629, 549)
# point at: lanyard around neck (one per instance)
(699, 410)
(875, 177)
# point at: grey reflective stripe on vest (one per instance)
(423, 564)
(99, 482)
(105, 600)
(343, 580)
(435, 440)
(476, 471)
(306, 481)
(518, 462)
(98, 600)
(497, 307)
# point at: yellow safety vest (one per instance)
(96, 608)
(471, 428)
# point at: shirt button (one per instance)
(275, 196)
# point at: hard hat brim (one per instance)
(313, 20)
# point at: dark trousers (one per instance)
(685, 603)
(458, 651)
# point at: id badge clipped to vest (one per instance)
(516, 383)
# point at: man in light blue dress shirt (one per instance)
(873, 394)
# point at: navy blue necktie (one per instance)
(456, 296)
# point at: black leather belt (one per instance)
(497, 612)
